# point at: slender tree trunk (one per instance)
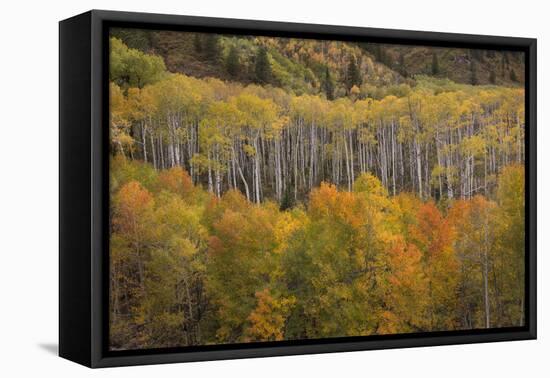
(247, 191)
(485, 275)
(153, 153)
(210, 181)
(418, 167)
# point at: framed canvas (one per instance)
(234, 188)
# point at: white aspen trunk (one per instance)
(312, 156)
(191, 151)
(257, 169)
(218, 182)
(519, 141)
(229, 175)
(401, 163)
(412, 166)
(161, 153)
(296, 169)
(278, 191)
(153, 153)
(177, 153)
(303, 160)
(393, 155)
(472, 171)
(247, 191)
(144, 140)
(485, 173)
(368, 158)
(448, 165)
(418, 167)
(218, 175)
(334, 162)
(210, 182)
(171, 153)
(427, 186)
(347, 162)
(485, 281)
(438, 154)
(233, 170)
(351, 163)
(383, 157)
(121, 149)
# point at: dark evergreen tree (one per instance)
(402, 65)
(134, 38)
(378, 52)
(328, 85)
(370, 47)
(493, 77)
(476, 54)
(385, 58)
(232, 62)
(287, 202)
(353, 76)
(197, 43)
(513, 75)
(263, 66)
(435, 65)
(473, 73)
(212, 47)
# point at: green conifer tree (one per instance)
(493, 77)
(328, 85)
(212, 47)
(473, 73)
(197, 43)
(232, 62)
(263, 67)
(353, 74)
(435, 65)
(402, 65)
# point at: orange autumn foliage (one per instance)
(327, 201)
(407, 288)
(176, 180)
(227, 270)
(267, 320)
(433, 235)
(132, 205)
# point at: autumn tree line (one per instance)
(247, 213)
(271, 144)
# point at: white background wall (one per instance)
(29, 187)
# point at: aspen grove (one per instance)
(247, 212)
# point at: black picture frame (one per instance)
(84, 189)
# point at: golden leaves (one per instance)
(268, 318)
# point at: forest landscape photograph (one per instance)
(272, 189)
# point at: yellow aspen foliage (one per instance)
(315, 205)
(267, 320)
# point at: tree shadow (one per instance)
(51, 348)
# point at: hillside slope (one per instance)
(467, 66)
(330, 67)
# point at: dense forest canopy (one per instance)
(313, 66)
(270, 189)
